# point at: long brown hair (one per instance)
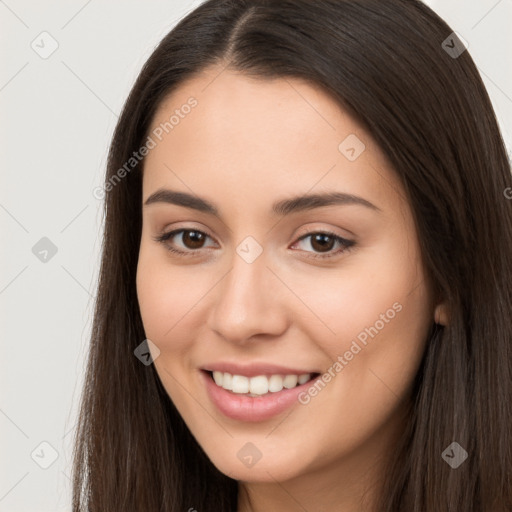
(388, 63)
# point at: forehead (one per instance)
(261, 137)
(230, 101)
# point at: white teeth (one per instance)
(290, 381)
(275, 383)
(240, 384)
(227, 381)
(304, 378)
(217, 377)
(260, 385)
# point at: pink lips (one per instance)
(246, 408)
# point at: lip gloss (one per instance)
(252, 409)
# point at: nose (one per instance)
(249, 302)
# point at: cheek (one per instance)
(365, 302)
(162, 296)
(375, 355)
(377, 313)
(171, 298)
(165, 303)
(380, 362)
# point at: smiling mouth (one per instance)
(260, 385)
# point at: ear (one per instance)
(441, 315)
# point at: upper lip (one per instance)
(255, 369)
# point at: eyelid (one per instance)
(164, 236)
(346, 244)
(308, 230)
(303, 231)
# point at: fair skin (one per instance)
(247, 144)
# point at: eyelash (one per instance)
(347, 245)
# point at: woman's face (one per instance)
(260, 283)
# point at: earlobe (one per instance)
(441, 314)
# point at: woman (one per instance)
(305, 292)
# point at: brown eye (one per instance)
(322, 242)
(193, 239)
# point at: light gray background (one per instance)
(57, 116)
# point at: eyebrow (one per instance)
(280, 208)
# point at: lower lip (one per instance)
(247, 408)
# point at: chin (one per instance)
(268, 469)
